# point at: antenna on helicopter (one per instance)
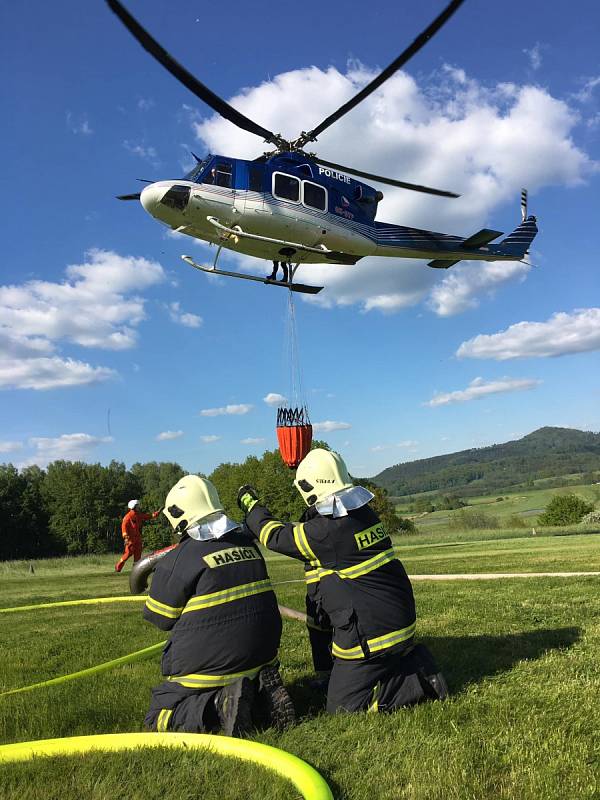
(283, 145)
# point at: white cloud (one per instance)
(10, 447)
(209, 439)
(274, 399)
(461, 288)
(408, 444)
(145, 103)
(534, 54)
(49, 373)
(240, 408)
(452, 132)
(79, 124)
(481, 388)
(182, 317)
(329, 425)
(585, 94)
(563, 333)
(143, 151)
(96, 305)
(68, 447)
(166, 436)
(253, 440)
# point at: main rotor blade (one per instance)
(189, 81)
(415, 187)
(135, 196)
(410, 51)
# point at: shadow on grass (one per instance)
(464, 660)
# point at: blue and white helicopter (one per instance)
(290, 206)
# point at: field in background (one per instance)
(520, 655)
(526, 504)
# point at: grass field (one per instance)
(521, 657)
(527, 504)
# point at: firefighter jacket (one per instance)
(364, 589)
(132, 524)
(216, 598)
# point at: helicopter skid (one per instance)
(293, 287)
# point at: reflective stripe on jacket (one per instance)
(216, 598)
(364, 588)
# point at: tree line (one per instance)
(74, 508)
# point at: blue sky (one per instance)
(107, 340)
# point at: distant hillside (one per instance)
(544, 453)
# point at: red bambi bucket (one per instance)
(294, 434)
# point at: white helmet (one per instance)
(190, 501)
(320, 474)
(132, 504)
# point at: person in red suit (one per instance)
(131, 530)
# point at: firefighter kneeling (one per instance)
(214, 593)
(359, 598)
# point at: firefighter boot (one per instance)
(431, 679)
(279, 706)
(234, 707)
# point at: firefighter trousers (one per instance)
(177, 708)
(174, 708)
(320, 632)
(133, 547)
(403, 678)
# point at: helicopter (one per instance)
(292, 207)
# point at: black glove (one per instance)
(247, 497)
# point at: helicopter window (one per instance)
(305, 170)
(177, 197)
(286, 187)
(223, 175)
(314, 196)
(194, 174)
(255, 178)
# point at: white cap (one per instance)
(132, 504)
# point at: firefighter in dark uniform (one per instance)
(213, 592)
(361, 590)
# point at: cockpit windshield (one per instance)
(195, 173)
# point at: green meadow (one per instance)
(524, 506)
(520, 654)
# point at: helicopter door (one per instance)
(255, 197)
(223, 196)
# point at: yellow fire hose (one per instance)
(138, 655)
(89, 601)
(306, 779)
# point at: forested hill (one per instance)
(545, 453)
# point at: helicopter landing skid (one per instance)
(293, 287)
